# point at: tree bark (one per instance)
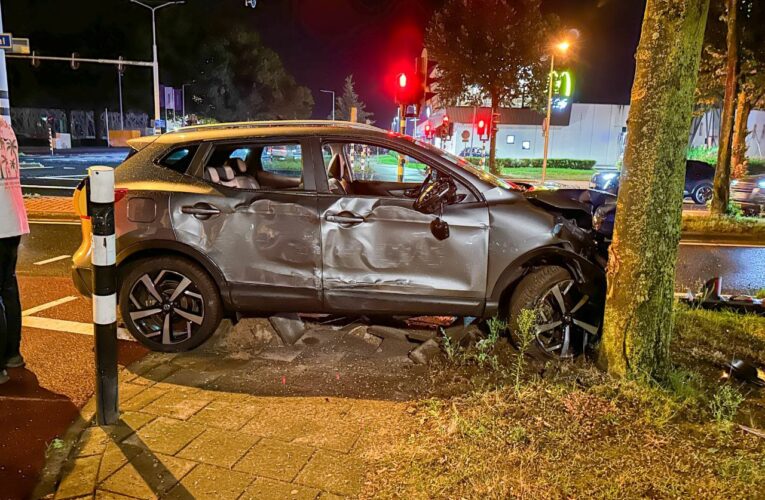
(740, 131)
(641, 269)
(722, 173)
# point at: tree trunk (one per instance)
(740, 131)
(493, 168)
(641, 268)
(722, 173)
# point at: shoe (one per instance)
(4, 377)
(15, 362)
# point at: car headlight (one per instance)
(761, 184)
(734, 183)
(608, 177)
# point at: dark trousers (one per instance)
(10, 305)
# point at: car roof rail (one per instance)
(274, 124)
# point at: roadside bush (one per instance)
(709, 155)
(724, 404)
(504, 163)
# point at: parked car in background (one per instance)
(749, 194)
(699, 179)
(474, 152)
(210, 225)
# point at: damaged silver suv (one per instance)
(328, 217)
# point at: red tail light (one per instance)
(119, 194)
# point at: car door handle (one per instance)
(344, 219)
(201, 209)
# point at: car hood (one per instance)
(587, 200)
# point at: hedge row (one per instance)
(537, 163)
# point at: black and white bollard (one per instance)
(103, 259)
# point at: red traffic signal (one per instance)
(402, 81)
(428, 130)
(481, 128)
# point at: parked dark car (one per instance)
(699, 179)
(749, 194)
(209, 227)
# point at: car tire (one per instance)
(702, 193)
(155, 323)
(560, 332)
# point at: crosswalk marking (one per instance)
(54, 259)
(48, 305)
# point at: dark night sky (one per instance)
(320, 41)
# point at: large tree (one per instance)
(241, 79)
(641, 268)
(489, 50)
(350, 99)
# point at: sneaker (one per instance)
(4, 377)
(15, 362)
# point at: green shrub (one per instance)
(709, 155)
(504, 163)
(725, 403)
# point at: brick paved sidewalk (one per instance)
(184, 433)
(50, 207)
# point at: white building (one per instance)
(581, 131)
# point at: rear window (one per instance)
(179, 159)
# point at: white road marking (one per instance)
(61, 325)
(48, 261)
(55, 222)
(34, 186)
(48, 305)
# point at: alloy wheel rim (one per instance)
(561, 328)
(704, 194)
(167, 309)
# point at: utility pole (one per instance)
(5, 102)
(154, 10)
(562, 47)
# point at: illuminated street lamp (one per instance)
(562, 48)
(153, 10)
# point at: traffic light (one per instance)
(447, 128)
(428, 131)
(425, 80)
(481, 128)
(406, 89)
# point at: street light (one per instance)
(562, 48)
(183, 100)
(333, 101)
(154, 10)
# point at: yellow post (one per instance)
(402, 130)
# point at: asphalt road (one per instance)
(59, 174)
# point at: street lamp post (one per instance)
(563, 48)
(183, 100)
(333, 101)
(154, 10)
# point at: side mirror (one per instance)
(439, 228)
(432, 199)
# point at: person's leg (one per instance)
(9, 296)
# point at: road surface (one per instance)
(59, 174)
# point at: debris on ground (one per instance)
(430, 321)
(711, 297)
(288, 326)
(387, 332)
(425, 352)
(744, 371)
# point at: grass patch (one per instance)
(725, 225)
(574, 432)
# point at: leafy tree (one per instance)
(349, 99)
(489, 50)
(641, 267)
(241, 79)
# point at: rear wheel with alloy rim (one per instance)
(702, 193)
(169, 304)
(567, 320)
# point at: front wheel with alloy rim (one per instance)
(567, 319)
(169, 304)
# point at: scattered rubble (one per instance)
(388, 332)
(425, 352)
(288, 326)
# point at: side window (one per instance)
(256, 166)
(376, 163)
(283, 159)
(179, 159)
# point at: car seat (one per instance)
(242, 179)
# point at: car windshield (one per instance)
(462, 163)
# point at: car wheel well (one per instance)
(148, 253)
